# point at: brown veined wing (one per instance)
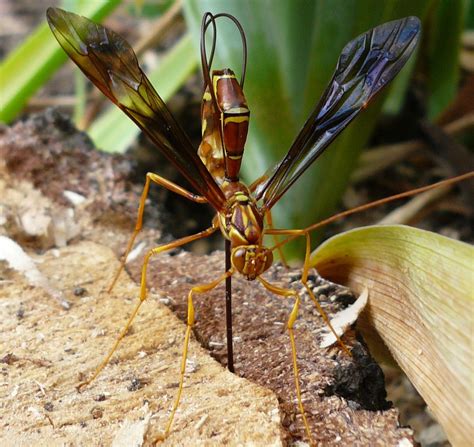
(365, 66)
(110, 63)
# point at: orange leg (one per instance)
(291, 321)
(304, 278)
(150, 177)
(143, 294)
(202, 288)
(268, 215)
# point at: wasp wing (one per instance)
(110, 63)
(365, 66)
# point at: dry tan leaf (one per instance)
(421, 304)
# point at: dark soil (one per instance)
(341, 394)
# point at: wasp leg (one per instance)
(201, 288)
(150, 177)
(143, 294)
(268, 215)
(304, 277)
(304, 281)
(291, 321)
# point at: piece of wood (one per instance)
(44, 348)
(45, 351)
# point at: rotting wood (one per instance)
(38, 397)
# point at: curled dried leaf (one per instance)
(344, 319)
(421, 305)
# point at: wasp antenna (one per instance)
(358, 209)
(206, 63)
(244, 43)
(207, 19)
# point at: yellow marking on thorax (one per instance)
(245, 221)
(235, 236)
(207, 96)
(241, 197)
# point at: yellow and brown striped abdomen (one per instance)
(224, 126)
(234, 119)
(210, 150)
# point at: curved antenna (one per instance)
(207, 19)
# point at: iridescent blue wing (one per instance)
(365, 66)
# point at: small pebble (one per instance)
(99, 397)
(97, 412)
(135, 385)
(80, 291)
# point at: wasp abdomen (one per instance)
(234, 119)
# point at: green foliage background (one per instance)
(293, 49)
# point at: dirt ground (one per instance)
(46, 349)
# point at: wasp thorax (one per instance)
(251, 260)
(242, 222)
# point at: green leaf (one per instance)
(469, 24)
(421, 301)
(149, 9)
(113, 131)
(30, 65)
(444, 29)
(293, 49)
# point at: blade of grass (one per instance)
(293, 48)
(30, 65)
(443, 49)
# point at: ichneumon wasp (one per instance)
(243, 213)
